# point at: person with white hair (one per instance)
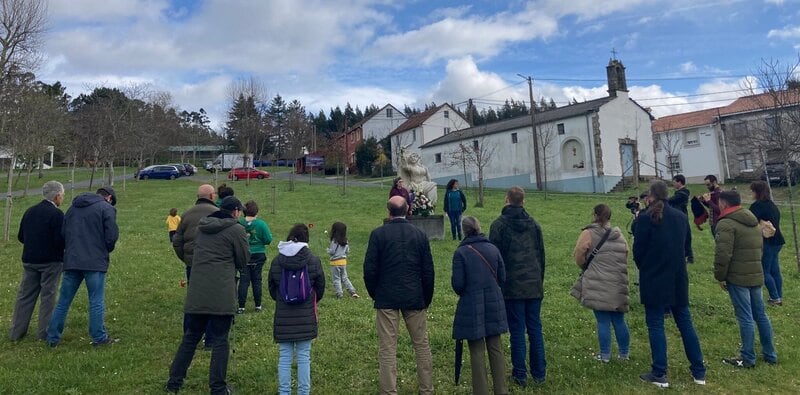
(42, 261)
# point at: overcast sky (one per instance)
(680, 55)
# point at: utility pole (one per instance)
(346, 160)
(535, 134)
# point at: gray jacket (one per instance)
(338, 251)
(183, 242)
(605, 282)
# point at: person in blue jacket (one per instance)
(90, 234)
(455, 204)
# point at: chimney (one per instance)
(615, 72)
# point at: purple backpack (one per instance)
(295, 286)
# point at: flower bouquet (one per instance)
(422, 205)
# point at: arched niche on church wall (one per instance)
(573, 155)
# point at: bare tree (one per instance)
(547, 139)
(670, 142)
(22, 26)
(477, 154)
(778, 132)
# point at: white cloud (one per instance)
(776, 2)
(104, 11)
(454, 37)
(644, 20)
(786, 32)
(688, 67)
(463, 80)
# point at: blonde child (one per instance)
(173, 220)
(338, 251)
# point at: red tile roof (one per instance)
(762, 101)
(416, 120)
(685, 120)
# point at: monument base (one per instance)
(432, 225)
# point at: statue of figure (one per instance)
(416, 175)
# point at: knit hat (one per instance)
(230, 203)
(110, 191)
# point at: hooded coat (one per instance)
(90, 233)
(298, 322)
(604, 284)
(660, 250)
(481, 311)
(519, 239)
(221, 250)
(737, 255)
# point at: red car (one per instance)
(239, 173)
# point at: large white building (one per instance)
(426, 126)
(585, 147)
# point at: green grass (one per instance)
(144, 308)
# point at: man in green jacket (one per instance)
(220, 250)
(737, 267)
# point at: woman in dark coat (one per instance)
(659, 250)
(765, 210)
(399, 189)
(478, 272)
(295, 325)
(455, 204)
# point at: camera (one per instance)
(633, 204)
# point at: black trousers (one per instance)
(251, 274)
(197, 324)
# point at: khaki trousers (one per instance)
(477, 360)
(388, 325)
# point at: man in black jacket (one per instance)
(90, 235)
(399, 276)
(519, 239)
(42, 261)
(680, 201)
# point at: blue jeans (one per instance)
(197, 324)
(455, 223)
(654, 316)
(95, 284)
(285, 356)
(772, 270)
(524, 314)
(748, 306)
(604, 321)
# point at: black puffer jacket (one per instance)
(481, 311)
(519, 239)
(398, 267)
(298, 322)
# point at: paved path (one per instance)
(37, 191)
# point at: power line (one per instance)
(695, 95)
(645, 78)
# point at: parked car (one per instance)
(181, 168)
(239, 173)
(167, 172)
(776, 172)
(190, 169)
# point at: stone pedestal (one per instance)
(432, 225)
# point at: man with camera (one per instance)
(680, 201)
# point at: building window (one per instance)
(475, 145)
(389, 113)
(674, 163)
(513, 138)
(446, 130)
(745, 162)
(560, 127)
(414, 135)
(438, 158)
(353, 157)
(446, 114)
(772, 126)
(657, 142)
(691, 137)
(739, 130)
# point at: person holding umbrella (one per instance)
(478, 272)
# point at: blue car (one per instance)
(159, 171)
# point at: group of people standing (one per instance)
(747, 243)
(499, 279)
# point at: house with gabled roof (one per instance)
(718, 141)
(585, 147)
(424, 127)
(378, 124)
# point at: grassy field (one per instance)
(144, 304)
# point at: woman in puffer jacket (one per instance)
(604, 284)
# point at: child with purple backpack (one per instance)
(296, 283)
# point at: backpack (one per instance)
(295, 286)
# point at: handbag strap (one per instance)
(491, 269)
(596, 249)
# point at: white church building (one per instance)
(585, 147)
